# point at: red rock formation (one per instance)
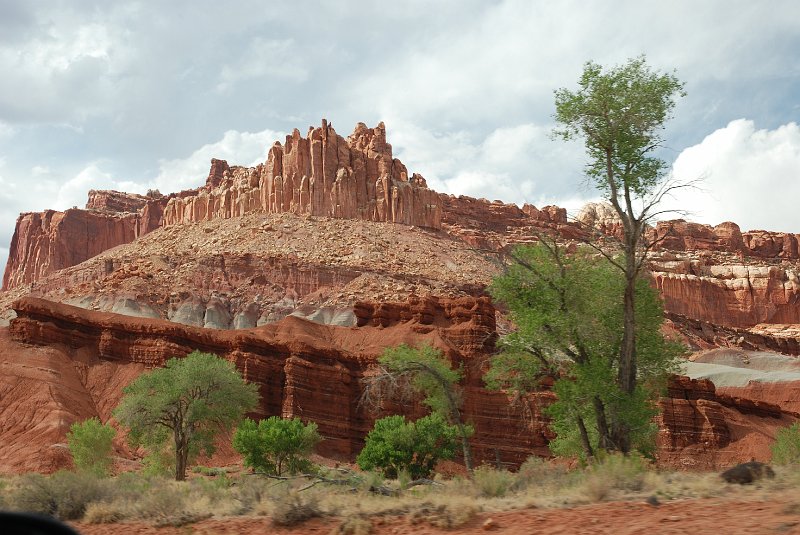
(304, 369)
(691, 414)
(705, 335)
(321, 174)
(49, 241)
(701, 429)
(729, 295)
(785, 395)
(680, 235)
(115, 201)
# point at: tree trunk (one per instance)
(626, 378)
(587, 446)
(466, 447)
(606, 441)
(181, 455)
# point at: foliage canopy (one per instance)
(408, 371)
(189, 400)
(394, 445)
(90, 443)
(620, 114)
(276, 446)
(786, 448)
(569, 327)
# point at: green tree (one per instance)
(569, 327)
(786, 449)
(276, 446)
(395, 445)
(90, 443)
(407, 371)
(620, 114)
(186, 403)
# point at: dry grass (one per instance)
(353, 525)
(444, 503)
(295, 508)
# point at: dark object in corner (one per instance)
(32, 524)
(746, 473)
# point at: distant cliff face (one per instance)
(321, 174)
(46, 242)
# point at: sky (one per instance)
(139, 95)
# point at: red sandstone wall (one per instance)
(46, 242)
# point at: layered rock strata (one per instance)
(728, 294)
(302, 368)
(703, 429)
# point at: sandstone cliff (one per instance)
(46, 242)
(321, 174)
(65, 363)
(302, 368)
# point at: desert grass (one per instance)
(444, 503)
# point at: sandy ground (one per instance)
(778, 514)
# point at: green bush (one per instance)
(276, 446)
(395, 445)
(90, 443)
(786, 449)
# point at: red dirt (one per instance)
(739, 515)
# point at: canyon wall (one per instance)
(77, 361)
(302, 368)
(46, 242)
(732, 295)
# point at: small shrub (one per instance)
(103, 513)
(209, 471)
(159, 462)
(294, 508)
(64, 495)
(161, 503)
(539, 472)
(277, 446)
(614, 472)
(251, 491)
(786, 449)
(450, 515)
(90, 443)
(492, 483)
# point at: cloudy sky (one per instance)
(136, 95)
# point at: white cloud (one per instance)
(58, 76)
(238, 148)
(519, 163)
(6, 130)
(74, 191)
(264, 58)
(750, 177)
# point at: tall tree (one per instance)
(189, 400)
(620, 114)
(568, 315)
(406, 371)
